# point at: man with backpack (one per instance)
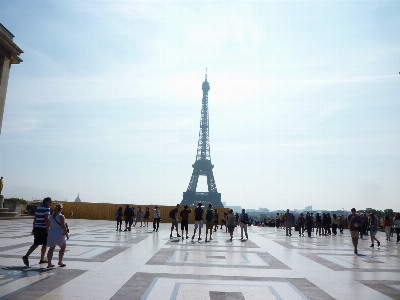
(173, 214)
(210, 220)
(198, 220)
(244, 220)
(185, 220)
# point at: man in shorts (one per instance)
(209, 220)
(41, 226)
(198, 220)
(174, 221)
(354, 222)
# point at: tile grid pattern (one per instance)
(142, 264)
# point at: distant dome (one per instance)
(78, 199)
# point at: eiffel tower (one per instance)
(202, 165)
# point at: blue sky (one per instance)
(304, 101)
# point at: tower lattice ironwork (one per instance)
(202, 165)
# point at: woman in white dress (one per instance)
(56, 236)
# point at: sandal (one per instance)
(43, 261)
(61, 265)
(50, 266)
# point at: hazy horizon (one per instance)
(303, 101)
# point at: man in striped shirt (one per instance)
(41, 225)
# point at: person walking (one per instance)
(244, 220)
(334, 224)
(282, 220)
(173, 214)
(223, 221)
(318, 224)
(146, 217)
(341, 224)
(128, 213)
(209, 221)
(237, 218)
(301, 222)
(118, 217)
(324, 221)
(388, 226)
(288, 222)
(397, 227)
(309, 223)
(365, 224)
(41, 225)
(277, 221)
(216, 219)
(231, 221)
(328, 224)
(139, 217)
(354, 221)
(133, 219)
(185, 220)
(198, 220)
(57, 234)
(156, 218)
(373, 224)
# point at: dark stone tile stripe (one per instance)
(217, 242)
(42, 287)
(6, 248)
(382, 287)
(336, 267)
(214, 295)
(100, 258)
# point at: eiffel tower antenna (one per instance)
(202, 166)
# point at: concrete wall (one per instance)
(105, 211)
(5, 64)
(13, 207)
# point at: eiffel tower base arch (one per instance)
(193, 198)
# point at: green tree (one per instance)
(15, 200)
(389, 212)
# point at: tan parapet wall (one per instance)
(106, 211)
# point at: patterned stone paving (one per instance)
(106, 264)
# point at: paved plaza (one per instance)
(142, 264)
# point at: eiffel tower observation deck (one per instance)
(202, 166)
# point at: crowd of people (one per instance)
(320, 224)
(212, 218)
(51, 230)
(324, 224)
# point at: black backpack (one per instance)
(172, 214)
(245, 219)
(209, 215)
